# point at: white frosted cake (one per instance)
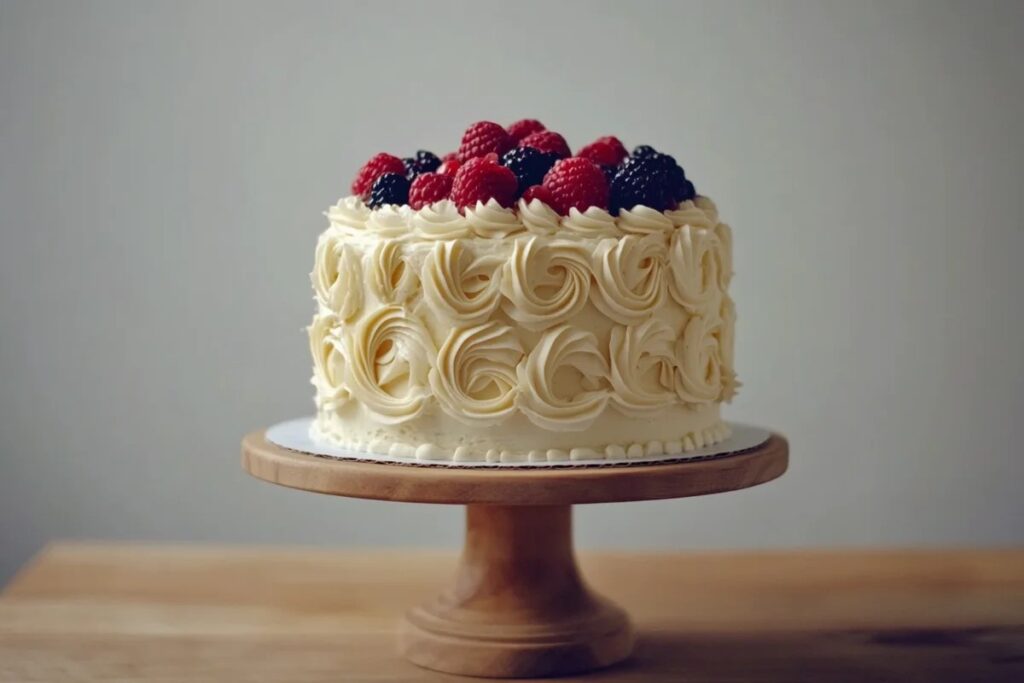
(512, 305)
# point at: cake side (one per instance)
(510, 334)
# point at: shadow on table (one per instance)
(971, 654)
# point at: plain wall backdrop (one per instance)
(164, 166)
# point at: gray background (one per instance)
(163, 168)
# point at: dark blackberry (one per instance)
(641, 181)
(423, 162)
(390, 188)
(529, 165)
(643, 151)
(680, 188)
(609, 172)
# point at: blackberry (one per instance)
(423, 162)
(529, 165)
(389, 188)
(609, 172)
(679, 187)
(641, 181)
(643, 151)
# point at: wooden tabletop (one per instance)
(91, 612)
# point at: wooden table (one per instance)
(102, 612)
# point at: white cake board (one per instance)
(295, 435)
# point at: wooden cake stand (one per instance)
(518, 607)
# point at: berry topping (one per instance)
(481, 179)
(423, 162)
(389, 188)
(520, 129)
(606, 151)
(576, 183)
(450, 156)
(679, 187)
(643, 151)
(641, 181)
(530, 165)
(609, 172)
(428, 188)
(482, 138)
(449, 167)
(547, 141)
(538, 192)
(373, 169)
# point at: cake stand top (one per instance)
(414, 483)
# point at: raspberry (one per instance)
(547, 141)
(520, 129)
(429, 188)
(481, 138)
(450, 156)
(423, 162)
(576, 184)
(481, 179)
(373, 169)
(529, 165)
(538, 192)
(449, 167)
(389, 188)
(606, 151)
(641, 181)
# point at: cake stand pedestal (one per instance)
(518, 607)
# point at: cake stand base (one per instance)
(519, 607)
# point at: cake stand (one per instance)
(518, 607)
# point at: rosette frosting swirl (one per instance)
(460, 287)
(643, 220)
(350, 213)
(335, 276)
(693, 261)
(545, 283)
(594, 222)
(688, 213)
(440, 221)
(642, 367)
(629, 273)
(724, 255)
(699, 360)
(493, 220)
(538, 217)
(727, 344)
(564, 380)
(390, 220)
(328, 363)
(475, 377)
(389, 360)
(388, 275)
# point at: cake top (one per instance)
(501, 166)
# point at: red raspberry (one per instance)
(538, 192)
(576, 183)
(373, 169)
(428, 188)
(449, 167)
(450, 156)
(481, 138)
(520, 129)
(547, 141)
(606, 151)
(481, 179)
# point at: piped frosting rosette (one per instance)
(336, 276)
(629, 276)
(461, 287)
(390, 355)
(642, 367)
(563, 380)
(545, 283)
(475, 376)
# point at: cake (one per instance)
(511, 302)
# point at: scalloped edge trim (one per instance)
(429, 452)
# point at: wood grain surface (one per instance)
(547, 486)
(122, 613)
